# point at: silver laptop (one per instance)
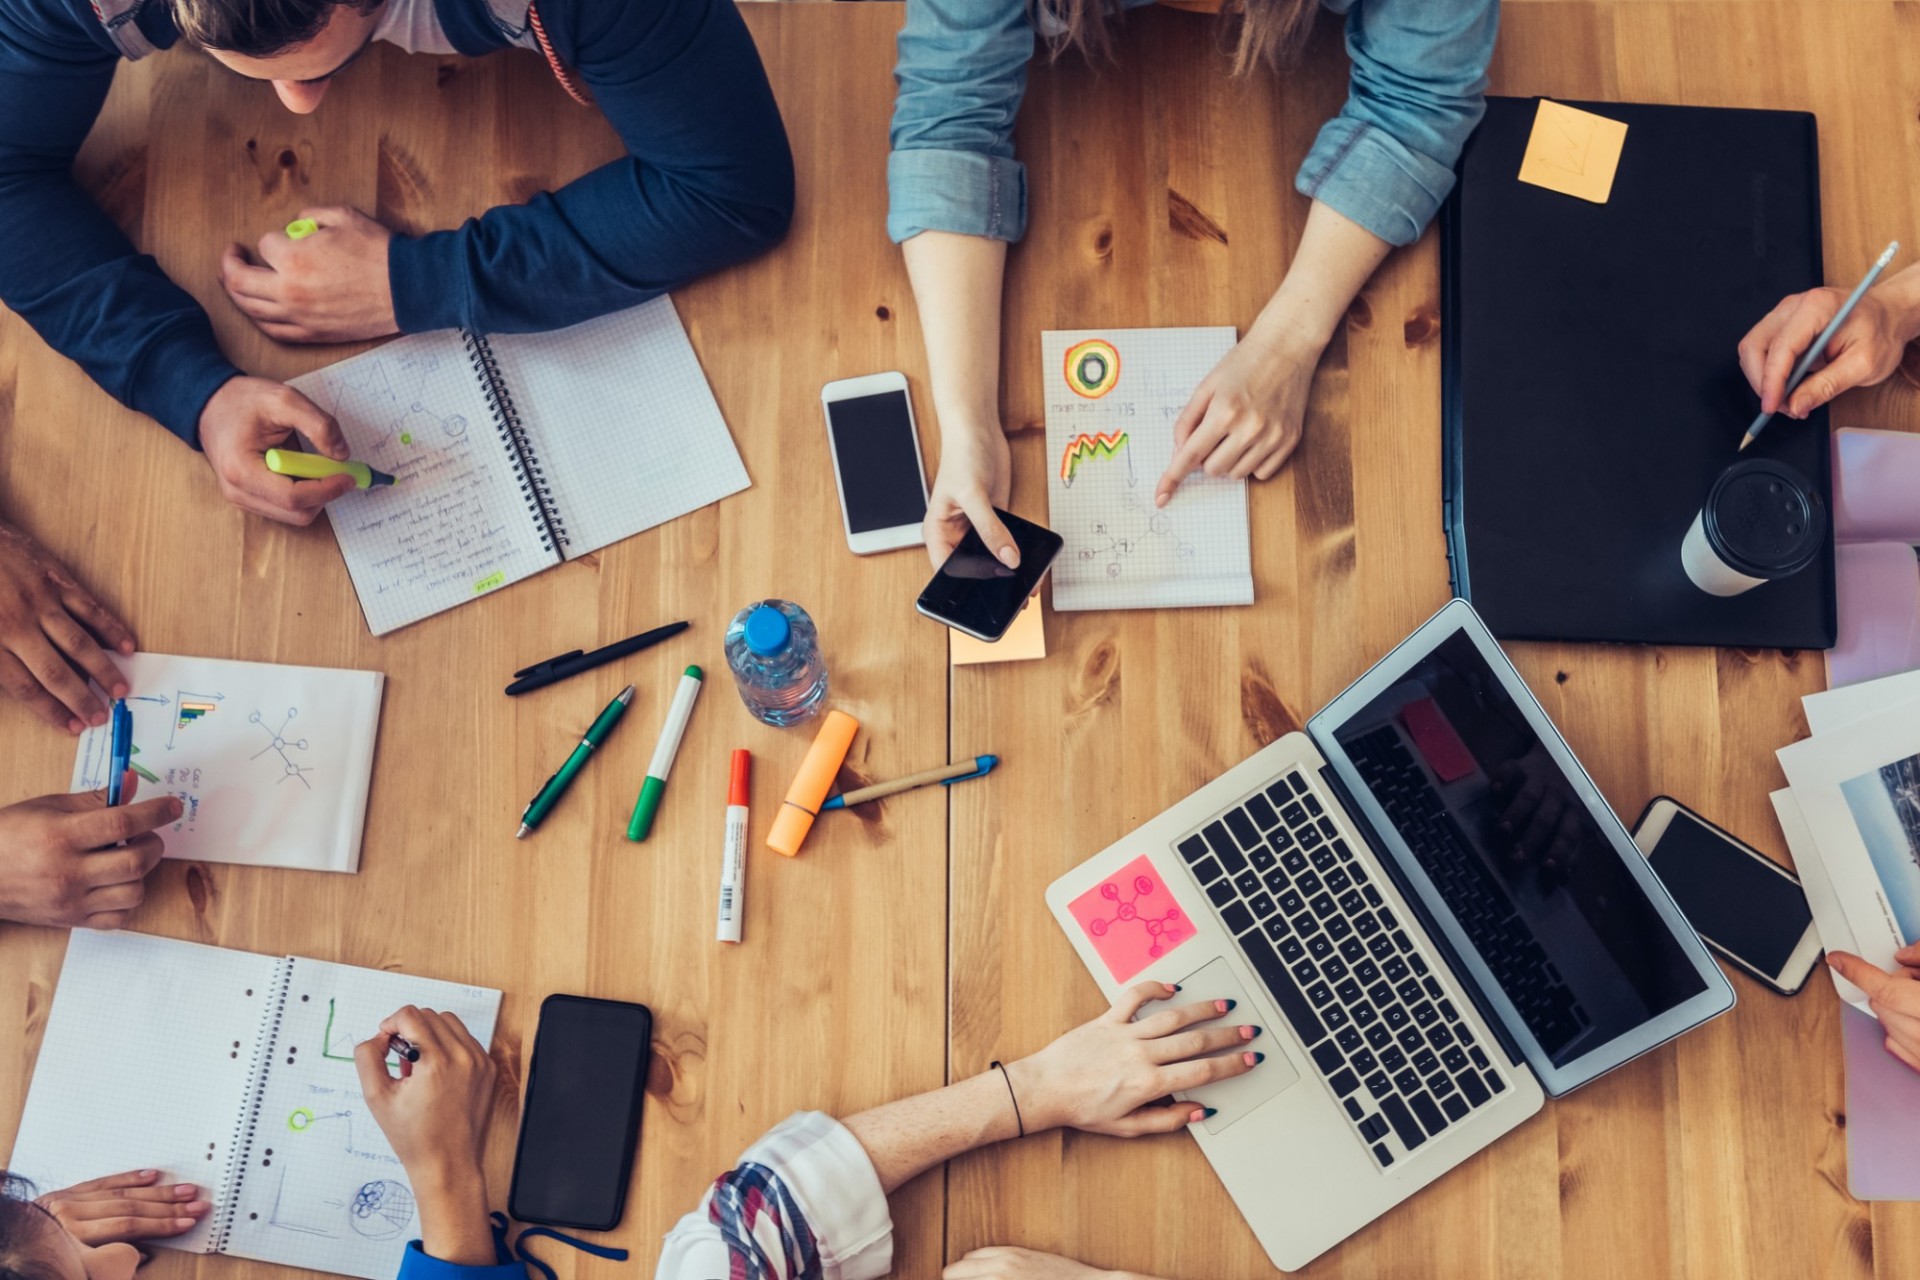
(1426, 904)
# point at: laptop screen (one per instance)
(1540, 890)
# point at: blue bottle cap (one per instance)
(768, 630)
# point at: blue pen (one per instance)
(120, 755)
(946, 776)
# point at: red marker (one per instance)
(733, 855)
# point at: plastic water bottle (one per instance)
(773, 651)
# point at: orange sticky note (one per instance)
(1573, 152)
(1026, 638)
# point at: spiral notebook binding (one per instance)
(534, 486)
(240, 1150)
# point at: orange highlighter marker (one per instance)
(809, 789)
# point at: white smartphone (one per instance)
(1741, 902)
(876, 459)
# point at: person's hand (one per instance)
(1107, 1075)
(1245, 417)
(330, 286)
(976, 475)
(1541, 823)
(62, 861)
(126, 1207)
(248, 416)
(435, 1117)
(1866, 349)
(1894, 997)
(51, 631)
(1002, 1262)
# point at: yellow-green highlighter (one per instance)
(314, 466)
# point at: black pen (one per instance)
(553, 670)
(404, 1048)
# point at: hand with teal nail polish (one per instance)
(1105, 1076)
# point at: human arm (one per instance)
(65, 267)
(434, 1115)
(1377, 174)
(1894, 997)
(1865, 350)
(809, 1199)
(707, 182)
(69, 860)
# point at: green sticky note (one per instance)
(488, 583)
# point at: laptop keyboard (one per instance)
(1520, 965)
(1359, 993)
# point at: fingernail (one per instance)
(74, 726)
(181, 1224)
(1248, 1033)
(1254, 1059)
(199, 1207)
(1223, 1005)
(149, 1173)
(121, 691)
(1199, 1114)
(184, 1189)
(1172, 987)
(97, 718)
(1008, 556)
(126, 646)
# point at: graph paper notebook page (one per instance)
(1112, 398)
(253, 1057)
(516, 452)
(271, 763)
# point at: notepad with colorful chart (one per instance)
(272, 763)
(1112, 398)
(233, 1071)
(516, 452)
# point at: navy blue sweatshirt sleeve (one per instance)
(65, 268)
(707, 180)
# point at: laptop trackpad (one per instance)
(1236, 1097)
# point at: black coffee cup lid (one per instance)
(1764, 519)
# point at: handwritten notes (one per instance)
(1573, 152)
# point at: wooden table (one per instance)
(910, 944)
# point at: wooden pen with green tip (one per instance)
(313, 466)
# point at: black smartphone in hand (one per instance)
(580, 1124)
(973, 592)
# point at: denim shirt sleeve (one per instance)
(961, 73)
(1418, 89)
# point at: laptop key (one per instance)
(1354, 1109)
(1243, 829)
(1409, 1039)
(1406, 1082)
(1220, 892)
(1429, 1114)
(1292, 903)
(1320, 993)
(1319, 948)
(1381, 947)
(1366, 973)
(1365, 1063)
(1348, 991)
(1322, 905)
(1345, 854)
(1448, 1012)
(1335, 1017)
(1263, 858)
(1327, 1058)
(1378, 1085)
(1495, 1083)
(1425, 1014)
(1380, 1153)
(1393, 1059)
(1377, 1036)
(1381, 994)
(1292, 949)
(1323, 859)
(1400, 939)
(1307, 926)
(1261, 905)
(1335, 969)
(1396, 969)
(1299, 781)
(1208, 870)
(1409, 990)
(1327, 828)
(1420, 967)
(1430, 983)
(1236, 917)
(1222, 845)
(1353, 952)
(1310, 839)
(1372, 896)
(1453, 1059)
(1374, 1127)
(1343, 1083)
(1402, 1121)
(1349, 1040)
(1305, 971)
(1338, 881)
(1294, 861)
(1193, 848)
(1308, 883)
(1441, 1085)
(1276, 881)
(1475, 1092)
(1366, 925)
(1262, 813)
(1280, 792)
(1396, 1016)
(1479, 1057)
(1294, 814)
(1387, 918)
(1312, 802)
(1425, 1062)
(1293, 1006)
(1350, 901)
(1277, 928)
(1247, 882)
(1455, 1106)
(1439, 1037)
(1365, 1014)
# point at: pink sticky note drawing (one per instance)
(1433, 735)
(1132, 919)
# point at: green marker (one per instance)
(301, 229)
(314, 466)
(557, 785)
(670, 734)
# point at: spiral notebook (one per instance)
(516, 452)
(234, 1071)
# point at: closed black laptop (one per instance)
(1590, 387)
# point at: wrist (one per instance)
(1026, 1079)
(1901, 296)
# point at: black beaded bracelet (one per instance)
(1011, 1096)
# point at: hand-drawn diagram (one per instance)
(280, 745)
(190, 709)
(387, 397)
(381, 1209)
(1132, 919)
(1154, 529)
(1087, 446)
(1092, 368)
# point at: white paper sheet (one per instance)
(1112, 396)
(273, 763)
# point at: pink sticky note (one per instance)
(1132, 919)
(1438, 744)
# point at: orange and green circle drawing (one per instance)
(1093, 368)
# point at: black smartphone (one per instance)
(973, 592)
(580, 1124)
(1742, 903)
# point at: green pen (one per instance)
(557, 785)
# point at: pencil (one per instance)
(1826, 335)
